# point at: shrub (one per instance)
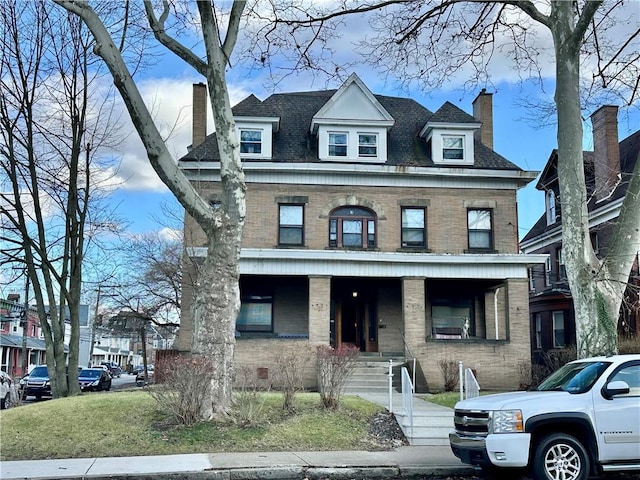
(248, 403)
(554, 359)
(450, 373)
(181, 393)
(288, 377)
(334, 367)
(628, 344)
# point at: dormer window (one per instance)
(367, 145)
(452, 147)
(256, 136)
(251, 141)
(338, 144)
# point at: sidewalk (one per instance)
(401, 462)
(406, 461)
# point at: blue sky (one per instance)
(167, 88)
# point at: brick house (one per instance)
(607, 171)
(375, 222)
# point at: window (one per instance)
(558, 330)
(532, 282)
(451, 321)
(551, 207)
(413, 227)
(367, 145)
(337, 144)
(630, 374)
(251, 141)
(480, 232)
(547, 272)
(562, 272)
(352, 227)
(255, 314)
(538, 331)
(291, 225)
(452, 148)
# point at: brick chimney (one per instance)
(199, 122)
(606, 150)
(483, 111)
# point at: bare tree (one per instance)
(51, 131)
(217, 296)
(429, 41)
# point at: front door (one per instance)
(356, 324)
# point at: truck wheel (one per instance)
(559, 456)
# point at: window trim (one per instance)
(562, 271)
(345, 145)
(367, 145)
(251, 142)
(368, 228)
(256, 300)
(461, 149)
(298, 227)
(408, 229)
(554, 329)
(551, 207)
(490, 248)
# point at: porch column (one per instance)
(413, 310)
(319, 309)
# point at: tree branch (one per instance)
(159, 32)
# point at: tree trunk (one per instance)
(595, 301)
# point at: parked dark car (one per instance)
(94, 379)
(37, 383)
(140, 380)
(114, 368)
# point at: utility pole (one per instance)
(24, 321)
(93, 328)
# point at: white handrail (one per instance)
(407, 398)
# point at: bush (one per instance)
(181, 393)
(450, 373)
(248, 402)
(289, 374)
(628, 344)
(334, 367)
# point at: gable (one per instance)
(352, 104)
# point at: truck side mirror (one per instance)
(617, 387)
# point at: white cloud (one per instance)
(170, 102)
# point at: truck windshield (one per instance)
(574, 377)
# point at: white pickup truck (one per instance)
(582, 420)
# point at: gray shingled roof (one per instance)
(294, 142)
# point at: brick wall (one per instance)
(446, 214)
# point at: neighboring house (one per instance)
(14, 322)
(607, 172)
(372, 221)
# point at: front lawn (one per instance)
(128, 423)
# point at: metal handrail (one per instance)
(413, 358)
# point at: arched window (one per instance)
(551, 207)
(352, 227)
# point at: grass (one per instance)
(128, 423)
(449, 399)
